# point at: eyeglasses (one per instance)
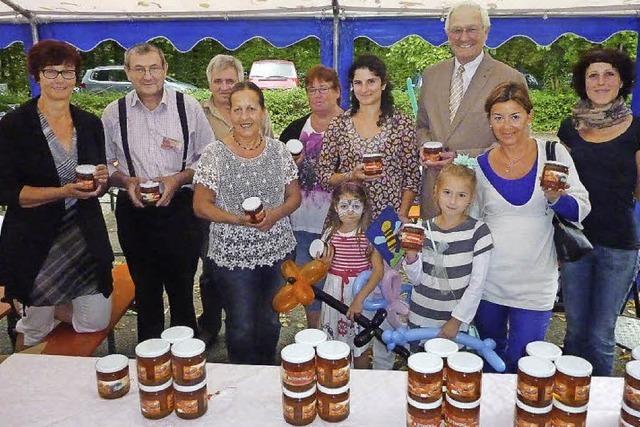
(322, 90)
(154, 70)
(51, 74)
(459, 31)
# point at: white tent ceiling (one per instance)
(69, 10)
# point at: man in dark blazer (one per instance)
(461, 125)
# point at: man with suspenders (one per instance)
(156, 134)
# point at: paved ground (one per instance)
(295, 321)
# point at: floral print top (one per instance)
(233, 179)
(343, 149)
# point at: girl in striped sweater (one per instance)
(348, 254)
(450, 272)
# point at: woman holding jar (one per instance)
(522, 279)
(602, 135)
(323, 94)
(55, 255)
(246, 251)
(372, 126)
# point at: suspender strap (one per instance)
(122, 110)
(550, 148)
(185, 127)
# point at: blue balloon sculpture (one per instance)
(386, 296)
(485, 348)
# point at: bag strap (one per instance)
(122, 116)
(184, 125)
(551, 150)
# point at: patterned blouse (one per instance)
(234, 179)
(343, 149)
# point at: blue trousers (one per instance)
(511, 328)
(594, 289)
(252, 327)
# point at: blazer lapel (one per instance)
(476, 85)
(443, 94)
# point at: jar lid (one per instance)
(316, 248)
(333, 391)
(532, 409)
(112, 363)
(544, 350)
(555, 163)
(176, 334)
(628, 410)
(441, 347)
(311, 337)
(251, 203)
(294, 146)
(86, 169)
(574, 366)
(372, 155)
(297, 353)
(300, 395)
(426, 406)
(149, 184)
(465, 362)
(155, 388)
(570, 409)
(633, 369)
(635, 353)
(153, 347)
(190, 388)
(188, 348)
(432, 144)
(414, 226)
(333, 350)
(425, 363)
(536, 367)
(462, 405)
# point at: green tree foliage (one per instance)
(13, 68)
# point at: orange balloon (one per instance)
(303, 292)
(285, 300)
(314, 271)
(289, 269)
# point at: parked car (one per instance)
(113, 77)
(274, 74)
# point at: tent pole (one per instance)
(336, 32)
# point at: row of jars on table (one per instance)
(171, 375)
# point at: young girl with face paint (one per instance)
(450, 272)
(348, 253)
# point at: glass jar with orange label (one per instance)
(332, 364)
(112, 373)
(189, 360)
(444, 348)
(175, 334)
(298, 367)
(425, 377)
(535, 381)
(424, 414)
(635, 353)
(153, 360)
(544, 350)
(299, 409)
(156, 401)
(530, 416)
(568, 416)
(312, 337)
(333, 403)
(572, 381)
(461, 414)
(631, 395)
(191, 401)
(464, 381)
(629, 417)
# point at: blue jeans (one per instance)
(252, 326)
(594, 289)
(511, 328)
(302, 256)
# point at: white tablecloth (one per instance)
(38, 390)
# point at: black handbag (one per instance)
(571, 243)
